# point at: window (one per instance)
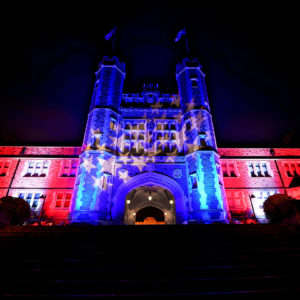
(4, 166)
(36, 168)
(236, 200)
(258, 201)
(69, 168)
(105, 179)
(33, 199)
(202, 140)
(159, 126)
(159, 147)
(173, 136)
(63, 200)
(259, 169)
(112, 125)
(173, 127)
(166, 126)
(141, 148)
(292, 169)
(159, 136)
(188, 125)
(142, 126)
(126, 148)
(229, 169)
(127, 126)
(194, 82)
(174, 148)
(194, 181)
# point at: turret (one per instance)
(191, 84)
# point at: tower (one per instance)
(93, 183)
(207, 195)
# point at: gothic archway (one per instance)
(153, 202)
(149, 179)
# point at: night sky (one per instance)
(249, 53)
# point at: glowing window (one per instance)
(259, 169)
(36, 168)
(258, 200)
(159, 126)
(33, 199)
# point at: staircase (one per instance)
(184, 260)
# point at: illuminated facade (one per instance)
(148, 156)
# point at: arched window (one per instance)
(134, 136)
(141, 149)
(159, 147)
(126, 148)
(174, 148)
(158, 136)
(173, 127)
(167, 147)
(188, 125)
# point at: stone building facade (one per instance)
(148, 155)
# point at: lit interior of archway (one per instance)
(150, 202)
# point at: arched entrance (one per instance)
(149, 205)
(150, 179)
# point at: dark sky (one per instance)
(249, 53)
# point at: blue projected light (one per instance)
(153, 140)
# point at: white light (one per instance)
(134, 214)
(149, 197)
(128, 201)
(171, 201)
(166, 213)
